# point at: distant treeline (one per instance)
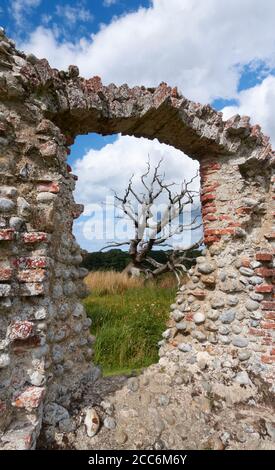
(117, 260)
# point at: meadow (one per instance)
(128, 317)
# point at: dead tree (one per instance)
(149, 233)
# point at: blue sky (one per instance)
(217, 52)
(80, 18)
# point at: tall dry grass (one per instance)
(113, 282)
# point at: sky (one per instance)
(220, 52)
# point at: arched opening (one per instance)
(129, 307)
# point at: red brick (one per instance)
(266, 305)
(269, 315)
(227, 231)
(263, 256)
(224, 217)
(256, 332)
(69, 168)
(243, 210)
(31, 275)
(266, 341)
(211, 239)
(210, 166)
(265, 272)
(20, 330)
(209, 218)
(208, 210)
(221, 231)
(50, 187)
(272, 352)
(6, 234)
(5, 274)
(267, 359)
(268, 326)
(234, 224)
(25, 262)
(31, 397)
(35, 237)
(209, 189)
(200, 294)
(208, 197)
(264, 289)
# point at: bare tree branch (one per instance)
(149, 232)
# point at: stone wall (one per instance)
(227, 304)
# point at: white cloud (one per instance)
(197, 45)
(19, 8)
(259, 103)
(100, 171)
(74, 14)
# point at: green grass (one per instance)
(128, 327)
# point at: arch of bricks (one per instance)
(227, 304)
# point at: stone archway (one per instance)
(227, 306)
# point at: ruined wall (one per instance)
(45, 344)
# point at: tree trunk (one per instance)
(132, 270)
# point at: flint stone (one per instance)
(246, 271)
(17, 223)
(251, 305)
(4, 360)
(177, 315)
(181, 326)
(232, 300)
(224, 339)
(6, 205)
(213, 315)
(256, 297)
(242, 378)
(199, 318)
(240, 341)
(244, 355)
(228, 316)
(53, 413)
(198, 335)
(206, 268)
(217, 302)
(224, 330)
(185, 347)
(256, 280)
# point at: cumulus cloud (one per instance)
(259, 103)
(19, 8)
(127, 155)
(197, 45)
(100, 171)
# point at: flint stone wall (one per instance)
(228, 303)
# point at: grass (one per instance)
(128, 319)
